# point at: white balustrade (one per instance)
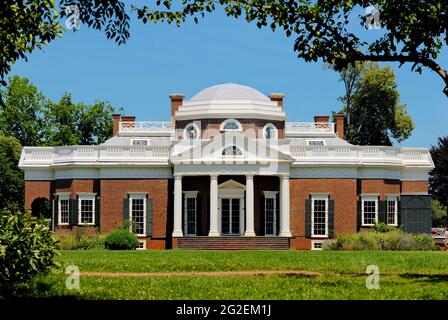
(309, 127)
(164, 127)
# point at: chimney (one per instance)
(116, 125)
(340, 125)
(176, 101)
(277, 97)
(129, 121)
(321, 119)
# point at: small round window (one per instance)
(191, 132)
(269, 131)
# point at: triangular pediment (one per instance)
(231, 184)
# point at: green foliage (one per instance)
(372, 106)
(121, 240)
(82, 239)
(439, 214)
(11, 177)
(27, 247)
(438, 177)
(412, 31)
(383, 228)
(391, 240)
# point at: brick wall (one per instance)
(383, 187)
(414, 186)
(37, 189)
(210, 127)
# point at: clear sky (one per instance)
(160, 59)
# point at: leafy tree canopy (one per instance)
(372, 105)
(11, 177)
(438, 179)
(412, 31)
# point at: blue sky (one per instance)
(160, 59)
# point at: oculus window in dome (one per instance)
(191, 132)
(231, 125)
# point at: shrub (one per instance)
(27, 247)
(82, 238)
(383, 228)
(121, 240)
(424, 242)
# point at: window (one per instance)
(269, 131)
(140, 142)
(190, 208)
(317, 245)
(232, 151)
(64, 206)
(369, 210)
(270, 212)
(86, 207)
(392, 211)
(319, 216)
(141, 245)
(230, 125)
(191, 131)
(315, 142)
(137, 214)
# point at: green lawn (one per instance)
(403, 275)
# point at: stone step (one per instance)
(233, 243)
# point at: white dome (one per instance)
(229, 91)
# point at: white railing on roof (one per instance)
(146, 127)
(293, 128)
(96, 154)
(361, 154)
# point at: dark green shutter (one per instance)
(359, 214)
(125, 210)
(399, 213)
(198, 215)
(330, 218)
(73, 217)
(56, 211)
(307, 218)
(382, 211)
(148, 217)
(97, 212)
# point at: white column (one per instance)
(177, 232)
(213, 206)
(285, 230)
(250, 232)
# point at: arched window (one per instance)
(269, 131)
(191, 131)
(231, 125)
(232, 151)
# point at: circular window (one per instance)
(191, 132)
(230, 125)
(269, 131)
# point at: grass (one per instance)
(403, 275)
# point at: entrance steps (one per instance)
(234, 243)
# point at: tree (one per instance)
(438, 179)
(373, 103)
(439, 214)
(22, 114)
(11, 177)
(413, 32)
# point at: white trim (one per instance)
(190, 195)
(63, 196)
(319, 197)
(140, 139)
(86, 196)
(138, 196)
(313, 242)
(196, 127)
(369, 197)
(275, 131)
(395, 199)
(240, 127)
(144, 244)
(271, 195)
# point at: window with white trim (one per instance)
(63, 209)
(139, 142)
(319, 216)
(86, 209)
(392, 211)
(232, 151)
(315, 142)
(269, 132)
(270, 212)
(369, 210)
(190, 212)
(137, 214)
(317, 245)
(191, 131)
(141, 244)
(230, 125)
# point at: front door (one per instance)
(230, 216)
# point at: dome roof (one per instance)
(229, 91)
